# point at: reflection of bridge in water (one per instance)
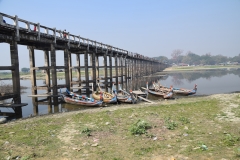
(119, 65)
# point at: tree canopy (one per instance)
(191, 58)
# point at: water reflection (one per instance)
(177, 78)
(209, 82)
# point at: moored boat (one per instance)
(166, 94)
(104, 96)
(123, 96)
(73, 98)
(185, 92)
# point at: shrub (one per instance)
(170, 124)
(139, 127)
(184, 120)
(230, 140)
(87, 131)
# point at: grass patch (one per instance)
(186, 128)
(139, 127)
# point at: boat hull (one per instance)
(125, 99)
(76, 101)
(162, 94)
(107, 97)
(184, 92)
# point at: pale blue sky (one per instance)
(148, 27)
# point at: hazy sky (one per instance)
(148, 27)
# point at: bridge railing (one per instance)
(42, 30)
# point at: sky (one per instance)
(148, 27)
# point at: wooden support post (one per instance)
(86, 71)
(35, 107)
(50, 110)
(70, 69)
(121, 63)
(116, 69)
(93, 61)
(97, 69)
(33, 78)
(54, 73)
(110, 69)
(105, 71)
(66, 69)
(56, 108)
(47, 78)
(32, 71)
(135, 69)
(126, 72)
(15, 76)
(78, 70)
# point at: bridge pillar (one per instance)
(33, 78)
(46, 64)
(94, 70)
(86, 71)
(78, 70)
(97, 71)
(116, 69)
(126, 72)
(54, 73)
(110, 70)
(15, 76)
(105, 71)
(121, 63)
(67, 69)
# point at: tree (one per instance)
(207, 59)
(236, 58)
(220, 59)
(162, 59)
(194, 59)
(176, 54)
(25, 70)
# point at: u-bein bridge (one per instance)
(127, 65)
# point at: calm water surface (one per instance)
(209, 82)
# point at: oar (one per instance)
(120, 88)
(99, 87)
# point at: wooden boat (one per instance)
(158, 86)
(161, 93)
(123, 96)
(82, 100)
(104, 96)
(185, 92)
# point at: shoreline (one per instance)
(166, 70)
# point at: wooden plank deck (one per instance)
(138, 92)
(10, 105)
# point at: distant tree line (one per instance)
(191, 58)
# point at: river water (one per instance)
(209, 82)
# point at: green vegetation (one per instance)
(194, 59)
(87, 131)
(187, 128)
(194, 68)
(139, 127)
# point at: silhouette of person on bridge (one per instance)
(64, 34)
(35, 28)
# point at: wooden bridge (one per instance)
(127, 65)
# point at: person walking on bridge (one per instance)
(64, 34)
